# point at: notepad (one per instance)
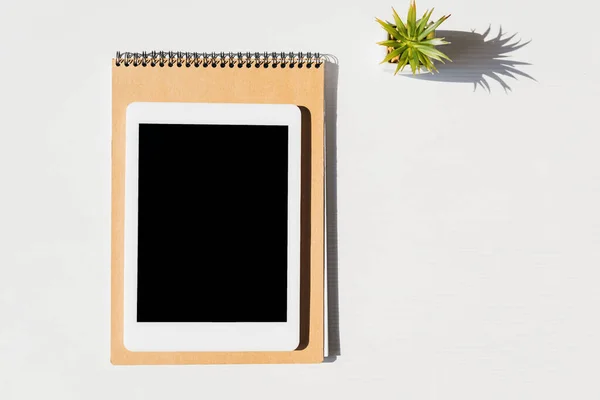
(217, 229)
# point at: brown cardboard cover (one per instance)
(303, 87)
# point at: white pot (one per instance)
(391, 68)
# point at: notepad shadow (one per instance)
(331, 216)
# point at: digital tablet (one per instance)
(212, 227)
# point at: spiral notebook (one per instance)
(217, 208)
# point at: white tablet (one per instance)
(212, 227)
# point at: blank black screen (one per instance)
(212, 223)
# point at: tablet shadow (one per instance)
(477, 58)
(305, 227)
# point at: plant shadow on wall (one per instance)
(476, 58)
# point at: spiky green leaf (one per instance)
(411, 60)
(399, 24)
(428, 63)
(422, 60)
(402, 62)
(415, 57)
(432, 27)
(432, 52)
(393, 54)
(435, 57)
(411, 19)
(390, 29)
(390, 43)
(423, 21)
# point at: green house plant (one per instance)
(413, 43)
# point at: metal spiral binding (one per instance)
(219, 60)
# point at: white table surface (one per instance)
(468, 222)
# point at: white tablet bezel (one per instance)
(207, 336)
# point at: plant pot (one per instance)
(391, 65)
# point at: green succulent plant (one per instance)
(413, 42)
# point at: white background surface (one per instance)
(468, 222)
